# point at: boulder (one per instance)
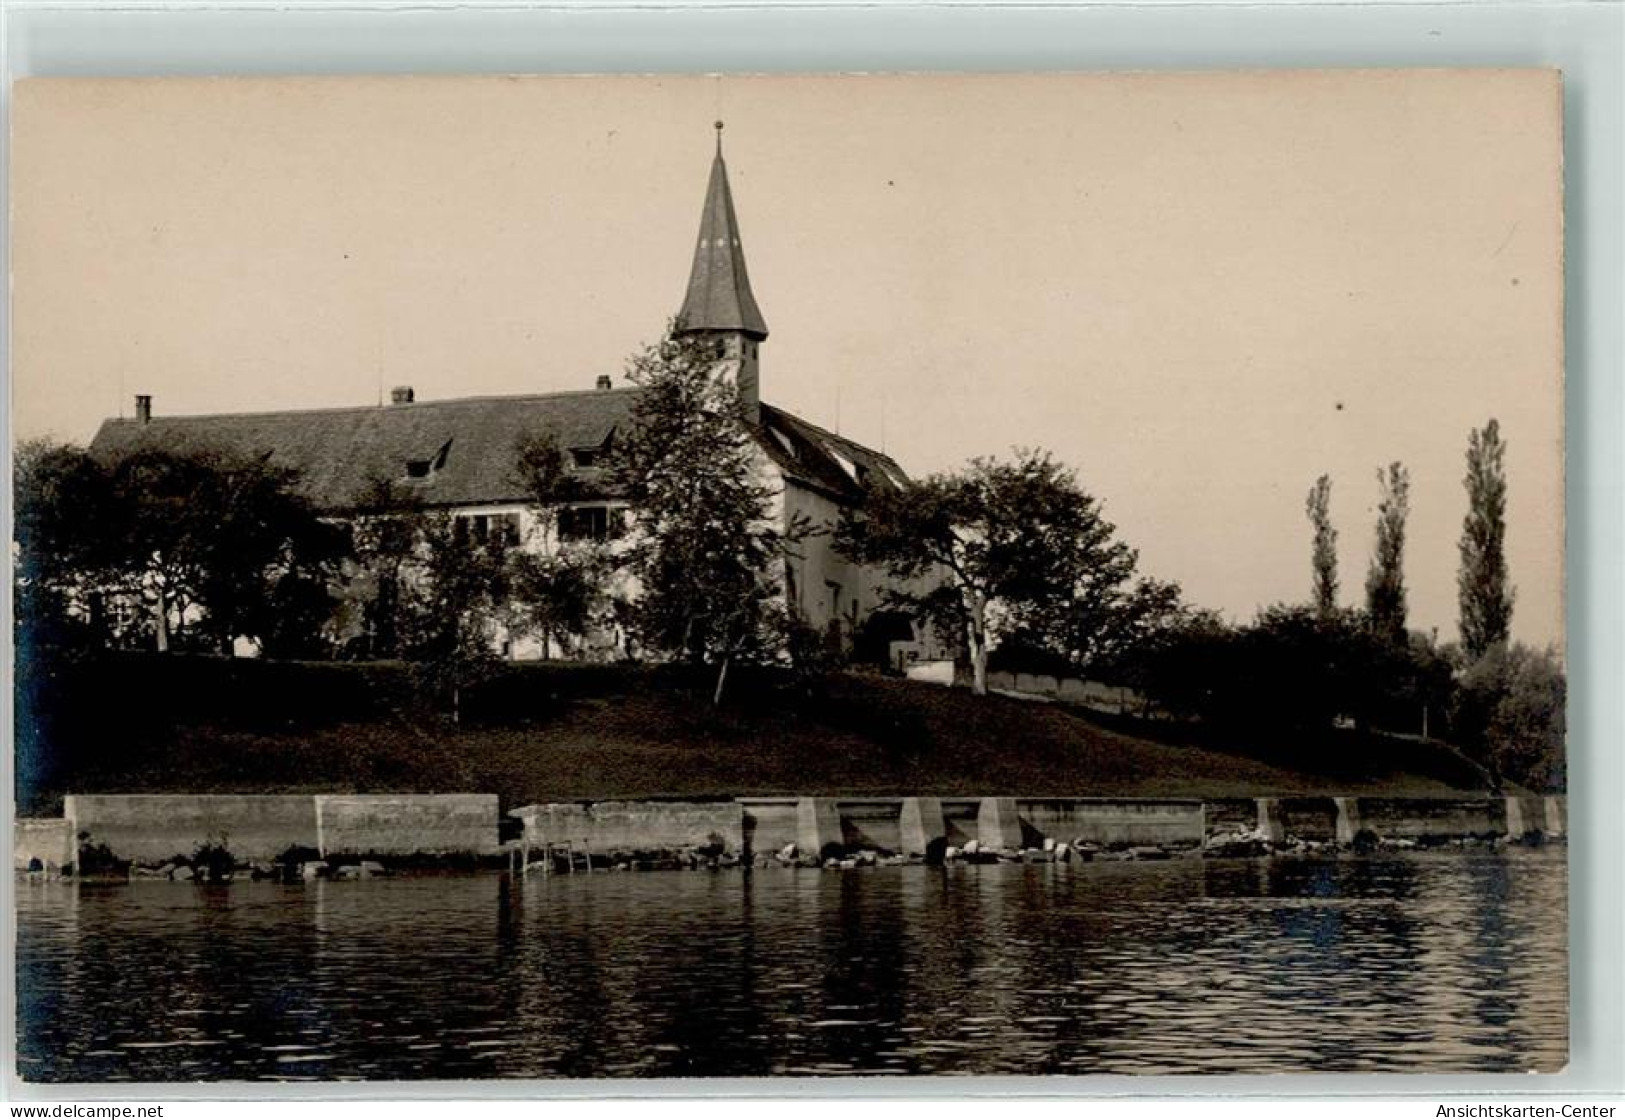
(788, 853)
(181, 873)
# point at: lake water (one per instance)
(1447, 961)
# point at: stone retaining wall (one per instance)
(152, 828)
(1412, 818)
(636, 826)
(48, 841)
(407, 824)
(1111, 822)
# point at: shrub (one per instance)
(213, 862)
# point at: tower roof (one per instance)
(719, 296)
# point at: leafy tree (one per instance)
(559, 588)
(65, 556)
(386, 531)
(1484, 594)
(1385, 581)
(1319, 508)
(455, 592)
(1180, 667)
(209, 540)
(1510, 713)
(704, 549)
(999, 547)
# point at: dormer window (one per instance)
(420, 469)
(586, 458)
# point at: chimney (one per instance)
(401, 394)
(143, 409)
(603, 382)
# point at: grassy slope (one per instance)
(556, 733)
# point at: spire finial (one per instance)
(719, 138)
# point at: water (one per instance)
(1450, 961)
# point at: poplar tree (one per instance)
(1385, 580)
(1484, 594)
(1318, 507)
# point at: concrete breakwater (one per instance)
(154, 829)
(849, 831)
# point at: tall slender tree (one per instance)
(1484, 594)
(1385, 581)
(705, 549)
(1319, 508)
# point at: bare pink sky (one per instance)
(1200, 290)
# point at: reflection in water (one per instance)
(1448, 961)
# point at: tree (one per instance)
(558, 587)
(1484, 594)
(997, 547)
(1510, 713)
(1385, 581)
(1318, 507)
(386, 530)
(66, 557)
(455, 589)
(215, 530)
(208, 540)
(704, 550)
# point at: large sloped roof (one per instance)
(340, 453)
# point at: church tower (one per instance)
(719, 303)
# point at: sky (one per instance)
(1200, 291)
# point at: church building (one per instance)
(458, 455)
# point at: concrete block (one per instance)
(920, 823)
(817, 823)
(150, 828)
(49, 840)
(871, 823)
(998, 825)
(1347, 821)
(407, 824)
(637, 826)
(1269, 820)
(1111, 822)
(1433, 818)
(769, 823)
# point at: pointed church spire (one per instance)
(719, 296)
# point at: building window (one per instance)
(586, 458)
(588, 523)
(480, 530)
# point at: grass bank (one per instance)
(151, 723)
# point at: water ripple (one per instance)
(1417, 962)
